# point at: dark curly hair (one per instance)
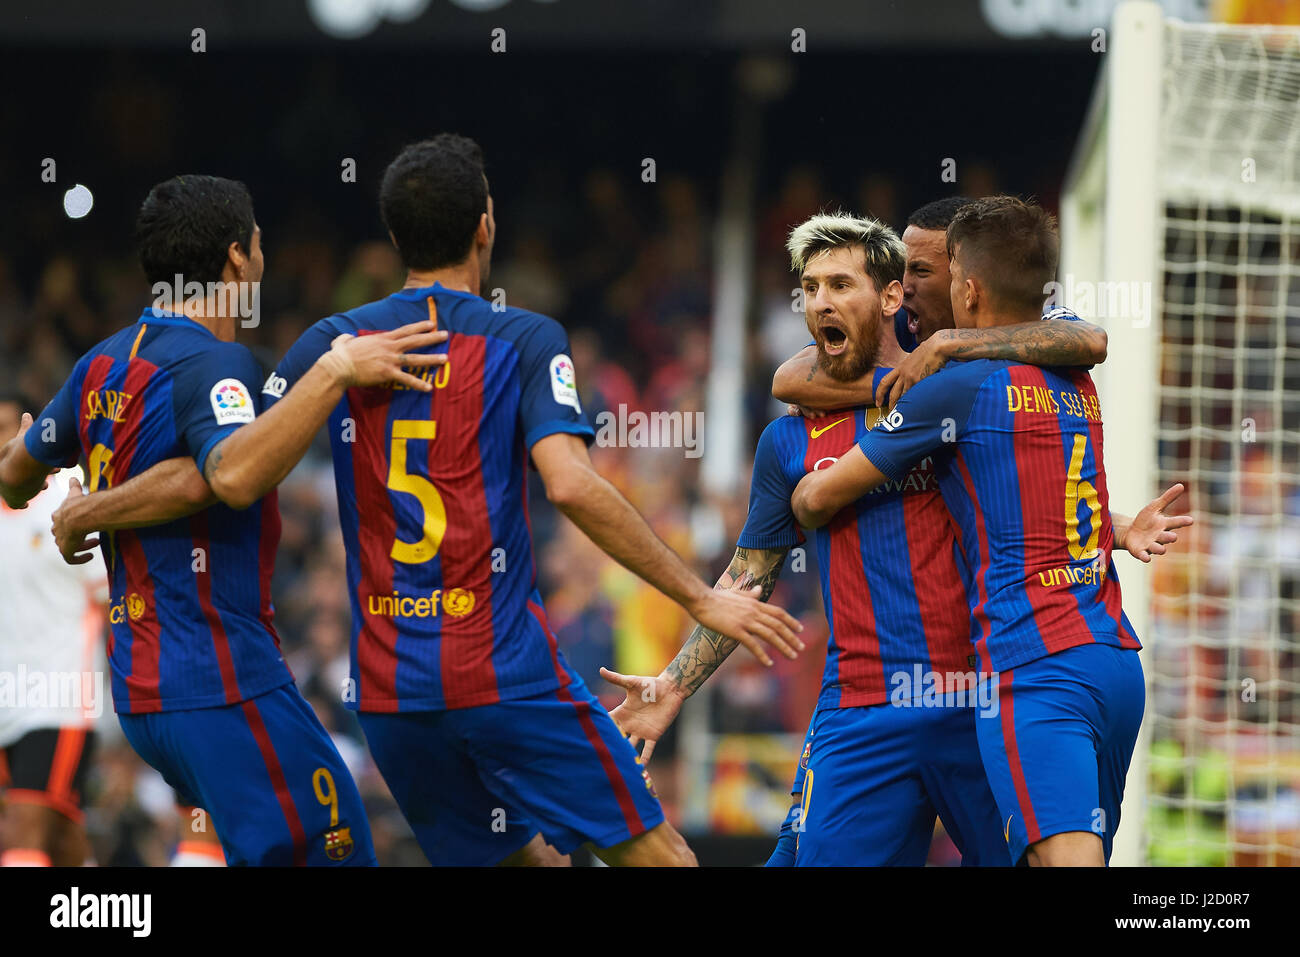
(432, 197)
(186, 225)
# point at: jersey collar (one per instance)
(421, 292)
(160, 317)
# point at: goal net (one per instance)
(1181, 225)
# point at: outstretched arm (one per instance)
(1151, 530)
(256, 457)
(593, 504)
(1046, 342)
(801, 381)
(653, 703)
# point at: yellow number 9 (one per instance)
(326, 795)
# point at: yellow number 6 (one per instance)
(1075, 489)
(400, 480)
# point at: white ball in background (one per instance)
(77, 201)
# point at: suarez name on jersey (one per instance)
(1019, 455)
(432, 491)
(190, 612)
(890, 581)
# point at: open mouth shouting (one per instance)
(834, 339)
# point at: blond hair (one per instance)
(886, 256)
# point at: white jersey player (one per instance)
(51, 694)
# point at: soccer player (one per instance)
(925, 329)
(201, 689)
(455, 671)
(880, 760)
(1017, 450)
(51, 618)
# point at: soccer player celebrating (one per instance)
(1017, 451)
(884, 764)
(455, 671)
(924, 326)
(201, 689)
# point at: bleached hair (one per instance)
(886, 256)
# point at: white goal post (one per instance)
(1180, 226)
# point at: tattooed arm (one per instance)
(800, 381)
(1046, 342)
(706, 649)
(653, 703)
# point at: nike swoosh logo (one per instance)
(816, 431)
(1007, 833)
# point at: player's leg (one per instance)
(1040, 752)
(959, 789)
(70, 847)
(43, 821)
(537, 853)
(560, 758)
(268, 774)
(661, 846)
(1114, 676)
(788, 837)
(198, 844)
(457, 821)
(864, 803)
(1124, 704)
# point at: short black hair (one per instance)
(937, 214)
(1010, 244)
(432, 197)
(186, 225)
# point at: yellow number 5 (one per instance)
(400, 480)
(1075, 489)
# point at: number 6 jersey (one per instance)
(432, 492)
(1018, 450)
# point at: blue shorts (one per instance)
(1058, 748)
(477, 783)
(874, 779)
(267, 773)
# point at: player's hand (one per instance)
(382, 358)
(74, 542)
(925, 360)
(651, 706)
(1152, 529)
(807, 413)
(24, 423)
(742, 617)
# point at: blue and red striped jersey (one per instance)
(893, 594)
(191, 615)
(1018, 450)
(432, 492)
